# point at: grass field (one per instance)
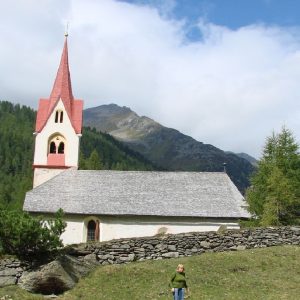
(268, 273)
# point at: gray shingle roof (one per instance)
(192, 194)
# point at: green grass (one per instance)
(16, 293)
(268, 273)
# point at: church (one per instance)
(105, 205)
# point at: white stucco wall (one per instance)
(137, 226)
(74, 231)
(66, 130)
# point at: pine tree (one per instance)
(94, 162)
(274, 196)
(82, 162)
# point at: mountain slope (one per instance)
(16, 152)
(248, 157)
(166, 147)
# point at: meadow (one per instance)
(265, 273)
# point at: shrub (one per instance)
(29, 237)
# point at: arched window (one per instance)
(56, 116)
(61, 148)
(52, 147)
(91, 230)
(61, 117)
(56, 144)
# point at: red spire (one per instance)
(62, 88)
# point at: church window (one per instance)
(61, 148)
(59, 116)
(52, 147)
(91, 229)
(56, 116)
(56, 144)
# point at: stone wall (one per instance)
(11, 270)
(185, 244)
(83, 257)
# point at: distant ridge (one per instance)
(166, 147)
(246, 156)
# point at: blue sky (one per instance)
(231, 13)
(225, 72)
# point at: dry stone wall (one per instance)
(83, 257)
(185, 244)
(11, 269)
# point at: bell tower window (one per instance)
(56, 144)
(61, 148)
(59, 116)
(52, 147)
(56, 150)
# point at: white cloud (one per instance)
(231, 89)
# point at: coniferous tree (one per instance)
(94, 162)
(274, 197)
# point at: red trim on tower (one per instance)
(56, 159)
(51, 167)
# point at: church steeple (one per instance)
(58, 126)
(62, 88)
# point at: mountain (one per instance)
(112, 154)
(17, 145)
(166, 147)
(253, 161)
(248, 157)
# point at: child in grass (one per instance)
(178, 283)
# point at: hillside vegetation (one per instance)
(267, 273)
(17, 145)
(16, 152)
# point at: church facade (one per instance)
(105, 205)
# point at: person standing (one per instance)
(178, 283)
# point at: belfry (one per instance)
(58, 127)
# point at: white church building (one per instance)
(104, 205)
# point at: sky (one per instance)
(225, 72)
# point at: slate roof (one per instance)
(189, 194)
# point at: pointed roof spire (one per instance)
(62, 88)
